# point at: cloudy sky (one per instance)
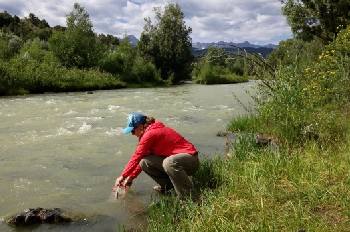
(256, 21)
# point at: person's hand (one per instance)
(118, 182)
(127, 182)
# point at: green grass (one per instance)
(259, 190)
(244, 124)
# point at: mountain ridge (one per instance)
(198, 48)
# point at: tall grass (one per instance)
(261, 190)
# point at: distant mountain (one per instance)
(263, 51)
(198, 49)
(132, 39)
(222, 44)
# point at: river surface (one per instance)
(65, 150)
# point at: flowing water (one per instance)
(65, 150)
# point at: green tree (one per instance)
(10, 44)
(167, 43)
(5, 19)
(77, 46)
(216, 56)
(119, 60)
(317, 18)
(108, 40)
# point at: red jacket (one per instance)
(157, 140)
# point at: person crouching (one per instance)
(162, 153)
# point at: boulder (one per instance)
(38, 216)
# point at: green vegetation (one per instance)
(22, 75)
(321, 19)
(171, 56)
(248, 124)
(36, 58)
(77, 46)
(218, 67)
(260, 190)
(301, 181)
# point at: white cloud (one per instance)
(258, 21)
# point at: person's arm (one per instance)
(132, 169)
(122, 182)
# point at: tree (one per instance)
(5, 19)
(77, 46)
(317, 18)
(167, 43)
(108, 40)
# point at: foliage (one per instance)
(323, 19)
(167, 44)
(119, 60)
(217, 67)
(27, 74)
(77, 46)
(307, 101)
(248, 124)
(36, 50)
(295, 51)
(213, 74)
(126, 62)
(26, 28)
(144, 71)
(9, 45)
(108, 40)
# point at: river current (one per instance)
(65, 150)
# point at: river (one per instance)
(65, 150)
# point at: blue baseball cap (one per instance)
(134, 119)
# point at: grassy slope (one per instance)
(258, 189)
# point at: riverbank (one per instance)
(261, 189)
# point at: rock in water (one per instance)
(38, 216)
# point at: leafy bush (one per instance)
(24, 75)
(214, 74)
(145, 72)
(306, 101)
(132, 68)
(217, 67)
(294, 51)
(9, 45)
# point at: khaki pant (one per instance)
(172, 171)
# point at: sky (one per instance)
(256, 21)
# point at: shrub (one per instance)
(23, 75)
(214, 74)
(145, 72)
(306, 101)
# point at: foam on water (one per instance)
(70, 112)
(221, 107)
(94, 111)
(114, 131)
(50, 102)
(63, 131)
(84, 128)
(113, 108)
(89, 118)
